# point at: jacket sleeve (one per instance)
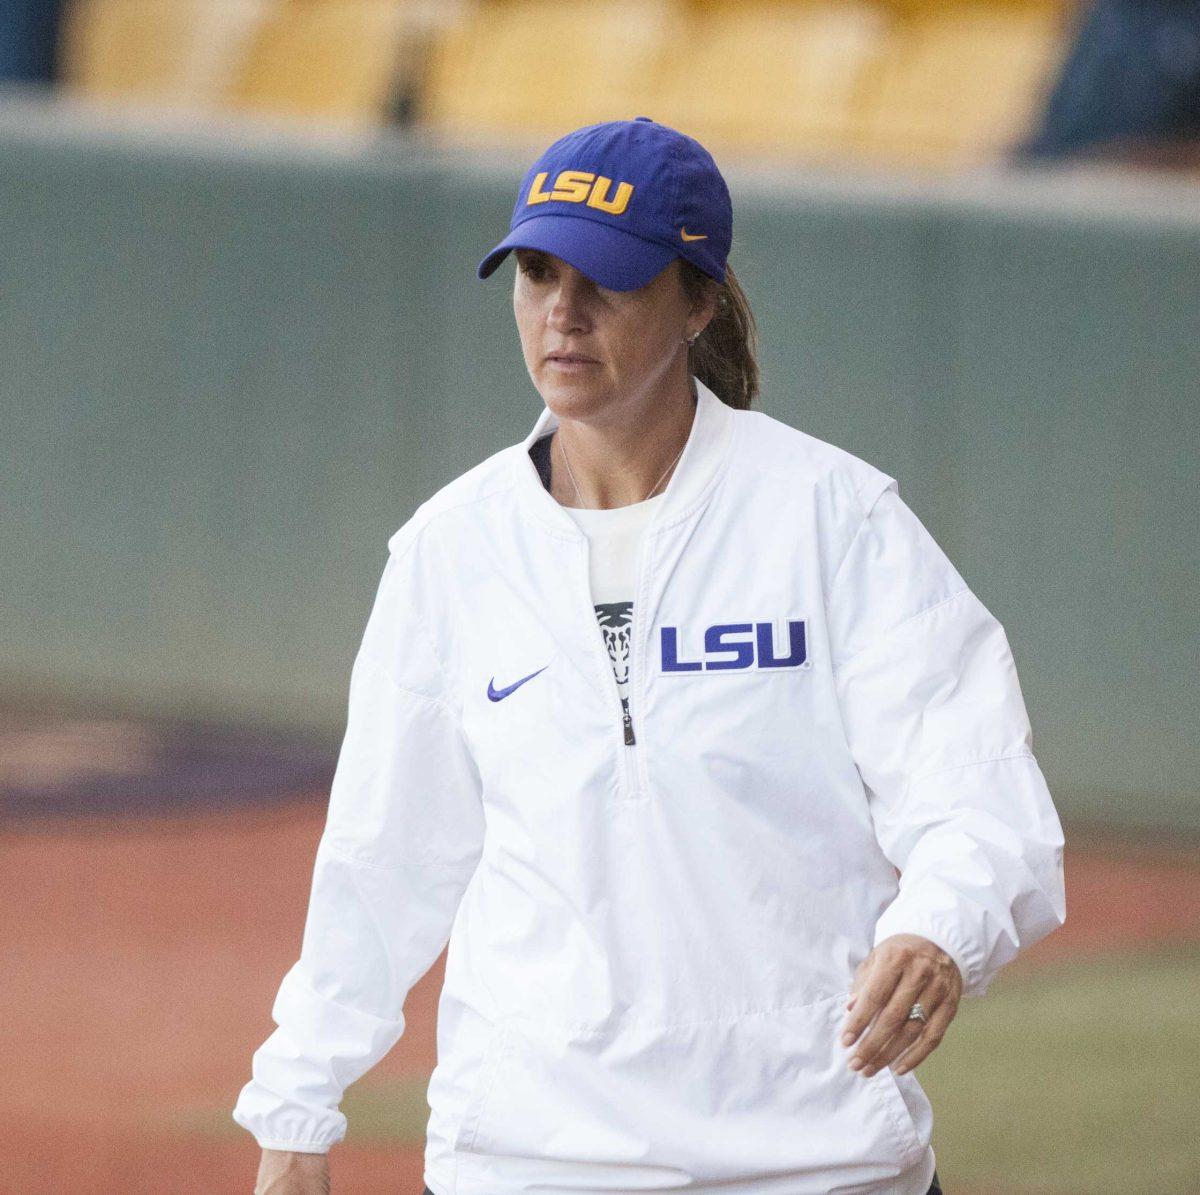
(938, 729)
(403, 835)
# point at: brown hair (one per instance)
(724, 356)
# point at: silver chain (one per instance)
(567, 462)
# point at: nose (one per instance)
(569, 309)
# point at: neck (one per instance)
(620, 461)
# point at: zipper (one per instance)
(633, 781)
(629, 743)
(630, 740)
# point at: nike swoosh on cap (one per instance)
(689, 236)
(495, 694)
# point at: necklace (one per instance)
(567, 462)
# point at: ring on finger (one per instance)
(907, 1033)
(917, 1026)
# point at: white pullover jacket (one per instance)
(651, 942)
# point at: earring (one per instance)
(691, 339)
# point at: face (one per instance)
(597, 353)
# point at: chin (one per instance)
(571, 398)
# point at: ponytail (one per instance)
(724, 356)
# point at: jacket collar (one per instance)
(699, 467)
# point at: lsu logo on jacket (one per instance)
(581, 186)
(732, 646)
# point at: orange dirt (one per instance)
(140, 962)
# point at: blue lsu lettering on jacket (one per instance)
(750, 644)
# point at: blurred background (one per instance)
(241, 338)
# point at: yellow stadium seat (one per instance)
(927, 82)
(172, 52)
(772, 77)
(960, 81)
(541, 68)
(333, 61)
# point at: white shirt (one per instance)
(615, 540)
(650, 945)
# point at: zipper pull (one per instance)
(629, 739)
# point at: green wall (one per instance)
(229, 369)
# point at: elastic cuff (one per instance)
(296, 1147)
(935, 931)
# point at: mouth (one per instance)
(570, 360)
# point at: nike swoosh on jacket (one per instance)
(495, 694)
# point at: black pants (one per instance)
(933, 1190)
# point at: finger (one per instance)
(930, 1038)
(931, 997)
(909, 1033)
(872, 996)
(911, 1038)
(891, 1018)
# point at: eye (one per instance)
(532, 267)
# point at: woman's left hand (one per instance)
(899, 972)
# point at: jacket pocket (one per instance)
(887, 1086)
(910, 1143)
(760, 1092)
(481, 1089)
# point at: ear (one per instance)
(704, 308)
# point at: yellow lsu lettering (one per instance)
(581, 186)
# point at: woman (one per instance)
(649, 709)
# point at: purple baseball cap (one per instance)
(619, 200)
